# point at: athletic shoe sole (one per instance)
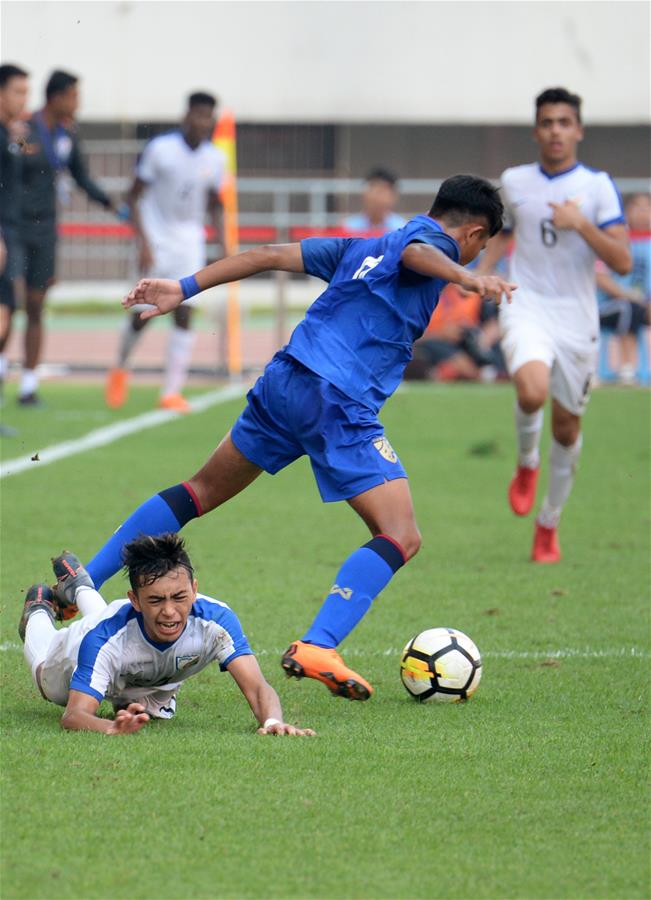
(349, 688)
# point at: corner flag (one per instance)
(224, 138)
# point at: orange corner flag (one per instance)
(224, 139)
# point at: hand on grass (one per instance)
(129, 720)
(283, 728)
(161, 293)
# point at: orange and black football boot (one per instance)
(302, 660)
(70, 575)
(39, 596)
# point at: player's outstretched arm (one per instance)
(427, 260)
(165, 295)
(262, 698)
(81, 715)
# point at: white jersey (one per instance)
(109, 656)
(178, 182)
(554, 268)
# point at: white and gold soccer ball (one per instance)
(440, 664)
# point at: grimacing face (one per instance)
(557, 133)
(165, 604)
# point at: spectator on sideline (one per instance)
(461, 342)
(51, 148)
(177, 181)
(13, 99)
(379, 201)
(625, 300)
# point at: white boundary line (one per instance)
(110, 433)
(564, 653)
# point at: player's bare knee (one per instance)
(566, 433)
(531, 398)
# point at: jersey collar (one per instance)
(552, 175)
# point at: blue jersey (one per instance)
(358, 334)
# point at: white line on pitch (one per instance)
(564, 653)
(110, 433)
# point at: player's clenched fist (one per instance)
(163, 294)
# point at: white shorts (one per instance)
(57, 670)
(175, 264)
(572, 364)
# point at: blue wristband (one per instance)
(189, 286)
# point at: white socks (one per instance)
(39, 633)
(4, 365)
(178, 360)
(89, 601)
(528, 427)
(562, 466)
(28, 382)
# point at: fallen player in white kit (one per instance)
(135, 653)
(564, 217)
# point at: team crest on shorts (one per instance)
(385, 449)
(184, 662)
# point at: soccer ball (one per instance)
(440, 664)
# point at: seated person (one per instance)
(624, 300)
(379, 201)
(461, 341)
(137, 652)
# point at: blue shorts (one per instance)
(293, 411)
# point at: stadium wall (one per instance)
(352, 62)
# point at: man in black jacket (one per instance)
(50, 149)
(13, 99)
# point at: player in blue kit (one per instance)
(320, 396)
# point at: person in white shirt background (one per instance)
(563, 216)
(177, 181)
(379, 201)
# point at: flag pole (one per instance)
(224, 138)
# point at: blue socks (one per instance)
(361, 578)
(168, 511)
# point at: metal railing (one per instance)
(271, 209)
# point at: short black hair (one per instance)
(58, 82)
(380, 174)
(559, 95)
(464, 198)
(8, 71)
(201, 98)
(147, 558)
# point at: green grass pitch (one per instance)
(533, 789)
